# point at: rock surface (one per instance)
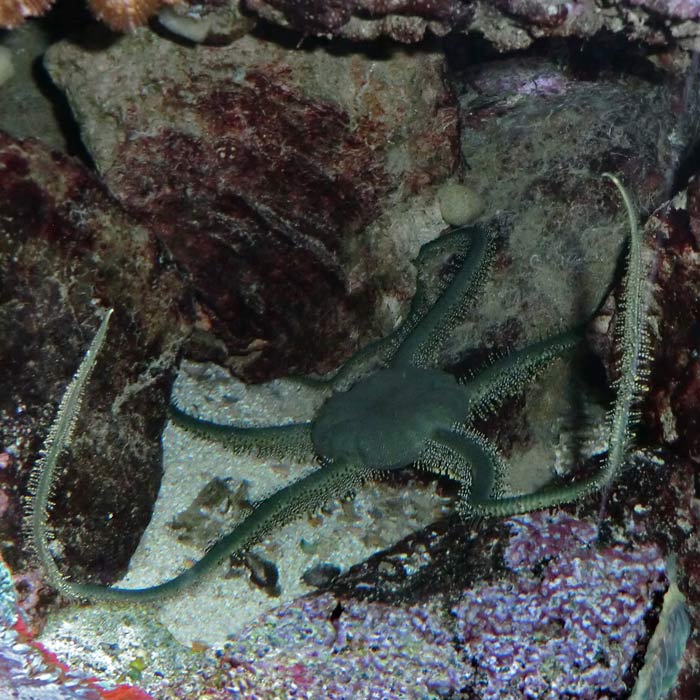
(672, 407)
(296, 227)
(260, 168)
(507, 24)
(67, 252)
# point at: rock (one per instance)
(506, 24)
(67, 251)
(536, 140)
(405, 20)
(672, 405)
(27, 108)
(260, 168)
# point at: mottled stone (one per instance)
(321, 575)
(402, 20)
(540, 141)
(570, 621)
(260, 168)
(652, 500)
(285, 230)
(672, 406)
(507, 24)
(681, 9)
(213, 22)
(26, 110)
(67, 251)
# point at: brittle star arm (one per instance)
(426, 338)
(634, 369)
(509, 374)
(291, 441)
(482, 462)
(300, 497)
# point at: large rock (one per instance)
(506, 24)
(291, 186)
(67, 252)
(260, 168)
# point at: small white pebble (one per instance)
(459, 203)
(196, 29)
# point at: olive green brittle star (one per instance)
(407, 411)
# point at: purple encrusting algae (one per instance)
(566, 620)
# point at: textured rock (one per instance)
(672, 407)
(26, 109)
(273, 218)
(507, 24)
(405, 20)
(67, 250)
(260, 168)
(569, 622)
(296, 226)
(677, 9)
(535, 142)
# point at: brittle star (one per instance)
(407, 411)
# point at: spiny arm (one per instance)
(303, 496)
(298, 498)
(509, 374)
(428, 335)
(42, 477)
(634, 339)
(479, 469)
(480, 463)
(382, 352)
(634, 368)
(291, 441)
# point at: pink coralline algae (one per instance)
(568, 623)
(28, 671)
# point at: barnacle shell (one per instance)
(14, 12)
(125, 15)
